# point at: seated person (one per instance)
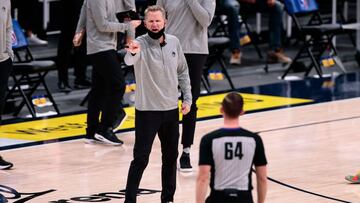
(275, 10)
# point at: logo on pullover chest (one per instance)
(173, 54)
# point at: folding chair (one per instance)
(316, 36)
(27, 71)
(217, 46)
(325, 7)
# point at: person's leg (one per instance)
(115, 87)
(232, 10)
(80, 57)
(105, 96)
(63, 59)
(169, 138)
(96, 95)
(275, 25)
(147, 123)
(80, 66)
(275, 30)
(196, 64)
(31, 21)
(5, 70)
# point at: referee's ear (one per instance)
(242, 112)
(222, 111)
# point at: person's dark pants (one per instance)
(29, 15)
(219, 196)
(232, 10)
(275, 21)
(107, 90)
(65, 46)
(196, 64)
(147, 124)
(5, 70)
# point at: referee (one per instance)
(228, 154)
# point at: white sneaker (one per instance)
(34, 40)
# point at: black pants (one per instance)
(147, 124)
(30, 15)
(196, 64)
(65, 47)
(107, 90)
(217, 196)
(5, 70)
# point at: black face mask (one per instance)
(156, 35)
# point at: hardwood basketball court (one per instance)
(309, 147)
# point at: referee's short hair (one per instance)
(232, 105)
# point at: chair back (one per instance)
(294, 7)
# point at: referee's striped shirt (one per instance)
(231, 154)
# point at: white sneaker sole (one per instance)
(5, 167)
(102, 139)
(93, 141)
(186, 170)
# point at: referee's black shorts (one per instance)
(224, 197)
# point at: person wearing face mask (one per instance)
(160, 67)
(108, 83)
(188, 20)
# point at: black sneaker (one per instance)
(4, 164)
(185, 165)
(119, 120)
(108, 136)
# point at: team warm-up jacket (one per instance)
(159, 70)
(125, 5)
(189, 21)
(5, 37)
(99, 18)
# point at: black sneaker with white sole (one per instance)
(5, 164)
(90, 136)
(108, 136)
(185, 165)
(119, 120)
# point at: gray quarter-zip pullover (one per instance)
(158, 73)
(188, 20)
(99, 19)
(125, 5)
(5, 31)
